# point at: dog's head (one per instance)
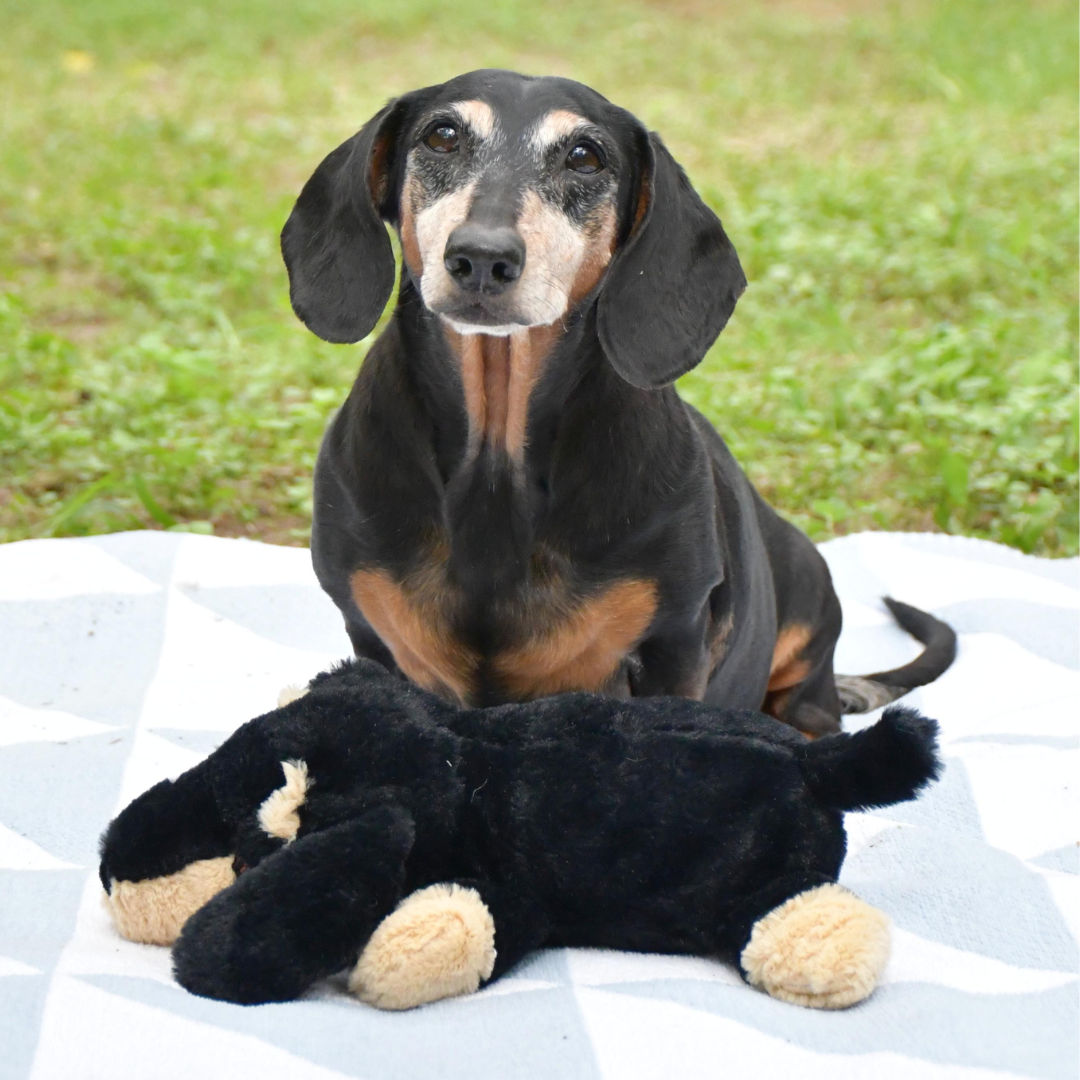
(517, 200)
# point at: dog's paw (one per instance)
(439, 942)
(153, 911)
(824, 948)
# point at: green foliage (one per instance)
(900, 183)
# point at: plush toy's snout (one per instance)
(427, 849)
(163, 858)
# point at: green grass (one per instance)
(901, 183)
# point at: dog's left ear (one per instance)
(673, 283)
(335, 245)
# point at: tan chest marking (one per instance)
(498, 376)
(574, 646)
(412, 619)
(583, 650)
(788, 668)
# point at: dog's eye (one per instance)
(584, 158)
(443, 139)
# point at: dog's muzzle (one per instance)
(484, 259)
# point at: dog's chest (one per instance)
(545, 636)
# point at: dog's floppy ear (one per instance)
(339, 258)
(673, 283)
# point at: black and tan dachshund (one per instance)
(514, 501)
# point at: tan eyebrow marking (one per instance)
(554, 127)
(478, 115)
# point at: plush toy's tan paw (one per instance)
(288, 694)
(437, 943)
(154, 911)
(824, 948)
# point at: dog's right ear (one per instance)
(335, 246)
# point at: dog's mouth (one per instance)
(482, 316)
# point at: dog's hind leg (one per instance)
(811, 705)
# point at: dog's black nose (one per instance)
(484, 259)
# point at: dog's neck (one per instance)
(494, 404)
(498, 377)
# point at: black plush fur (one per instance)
(661, 824)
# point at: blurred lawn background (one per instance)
(900, 181)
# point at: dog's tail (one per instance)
(863, 693)
(889, 762)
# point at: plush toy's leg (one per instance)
(301, 914)
(824, 948)
(163, 857)
(445, 940)
(439, 942)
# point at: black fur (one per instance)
(939, 639)
(889, 762)
(662, 824)
(341, 264)
(673, 285)
(157, 840)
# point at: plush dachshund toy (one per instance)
(370, 825)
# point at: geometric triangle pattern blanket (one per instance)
(127, 658)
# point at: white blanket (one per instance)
(126, 658)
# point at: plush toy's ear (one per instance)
(339, 258)
(673, 283)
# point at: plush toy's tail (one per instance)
(888, 762)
